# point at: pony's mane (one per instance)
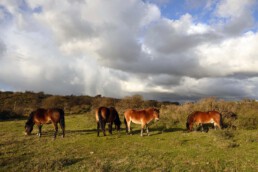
(151, 110)
(190, 116)
(30, 119)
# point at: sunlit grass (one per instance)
(168, 148)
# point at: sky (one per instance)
(175, 50)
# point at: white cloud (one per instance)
(231, 56)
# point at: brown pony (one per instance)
(200, 118)
(107, 115)
(45, 116)
(142, 117)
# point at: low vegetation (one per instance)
(168, 148)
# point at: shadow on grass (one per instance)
(159, 130)
(67, 162)
(168, 130)
(50, 133)
(89, 131)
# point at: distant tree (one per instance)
(53, 102)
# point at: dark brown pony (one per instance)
(107, 115)
(45, 116)
(200, 118)
(142, 117)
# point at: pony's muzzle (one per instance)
(157, 119)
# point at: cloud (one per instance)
(116, 49)
(2, 48)
(237, 15)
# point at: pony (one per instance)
(107, 115)
(201, 118)
(143, 117)
(45, 116)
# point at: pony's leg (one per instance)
(63, 130)
(129, 127)
(104, 128)
(56, 130)
(147, 130)
(201, 127)
(142, 129)
(98, 128)
(216, 125)
(40, 127)
(110, 128)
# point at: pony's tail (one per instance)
(62, 118)
(126, 126)
(100, 120)
(221, 121)
(62, 121)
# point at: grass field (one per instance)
(166, 149)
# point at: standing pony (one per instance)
(200, 118)
(107, 115)
(45, 116)
(142, 117)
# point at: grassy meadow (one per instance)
(168, 148)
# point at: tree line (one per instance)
(20, 104)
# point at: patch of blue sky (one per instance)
(175, 9)
(255, 14)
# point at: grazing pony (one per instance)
(107, 115)
(45, 116)
(200, 118)
(142, 117)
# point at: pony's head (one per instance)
(28, 128)
(189, 123)
(118, 125)
(29, 124)
(156, 114)
(187, 126)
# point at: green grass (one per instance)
(166, 149)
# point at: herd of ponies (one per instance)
(105, 115)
